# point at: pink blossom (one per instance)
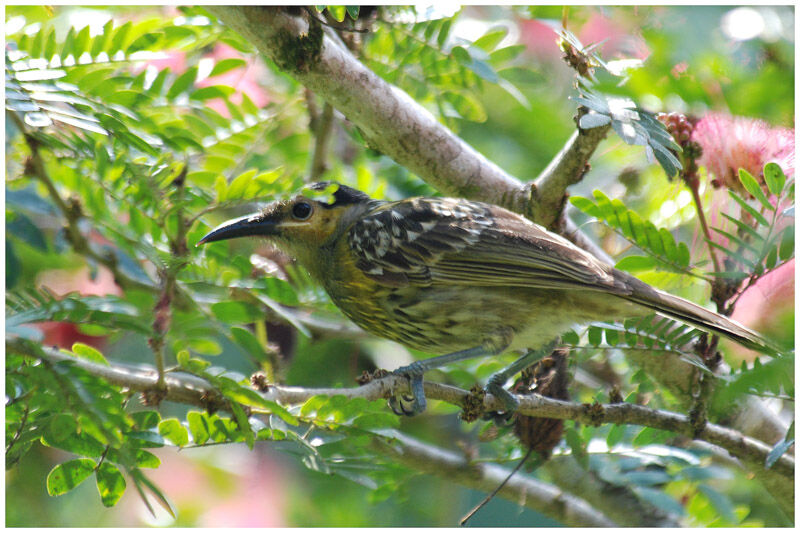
(730, 143)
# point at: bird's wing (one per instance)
(423, 241)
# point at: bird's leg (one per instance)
(415, 371)
(498, 380)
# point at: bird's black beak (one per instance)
(246, 226)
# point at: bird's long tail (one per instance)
(699, 317)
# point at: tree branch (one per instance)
(186, 388)
(389, 119)
(619, 503)
(567, 168)
(322, 133)
(192, 390)
(524, 490)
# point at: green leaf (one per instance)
(120, 38)
(248, 396)
(337, 12)
(81, 42)
(137, 142)
(213, 91)
(84, 351)
(173, 431)
(466, 106)
(571, 338)
(101, 40)
(146, 419)
(205, 346)
(237, 187)
(244, 425)
(787, 244)
(110, 484)
(576, 444)
(752, 186)
(61, 427)
(77, 443)
(444, 31)
(236, 312)
(140, 481)
(633, 263)
(145, 459)
(144, 439)
(69, 44)
(66, 476)
(748, 208)
(504, 55)
(649, 436)
(244, 338)
(461, 55)
(352, 11)
(660, 500)
(775, 178)
(182, 83)
(192, 364)
(37, 44)
(225, 65)
(595, 335)
(198, 425)
(50, 45)
(491, 39)
(721, 502)
(615, 435)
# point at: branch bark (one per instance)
(388, 118)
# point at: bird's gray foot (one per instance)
(404, 405)
(495, 387)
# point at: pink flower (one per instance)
(730, 143)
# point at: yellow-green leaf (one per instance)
(84, 351)
(110, 484)
(66, 476)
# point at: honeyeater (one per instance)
(457, 277)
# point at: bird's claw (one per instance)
(417, 400)
(398, 404)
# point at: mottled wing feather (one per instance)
(423, 241)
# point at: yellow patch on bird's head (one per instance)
(312, 218)
(302, 225)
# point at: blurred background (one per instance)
(736, 61)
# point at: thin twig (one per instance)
(324, 127)
(698, 204)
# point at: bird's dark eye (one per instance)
(301, 210)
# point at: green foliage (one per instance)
(446, 71)
(658, 243)
(763, 239)
(634, 125)
(117, 165)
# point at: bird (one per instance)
(457, 278)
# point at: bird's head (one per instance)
(302, 224)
